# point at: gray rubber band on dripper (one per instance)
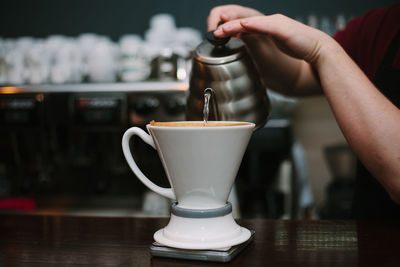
(201, 213)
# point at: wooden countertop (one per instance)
(36, 240)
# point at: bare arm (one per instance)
(368, 120)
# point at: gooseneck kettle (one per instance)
(225, 66)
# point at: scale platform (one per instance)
(220, 255)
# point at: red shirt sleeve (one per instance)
(367, 38)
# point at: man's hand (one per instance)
(276, 43)
(291, 37)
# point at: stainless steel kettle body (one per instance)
(239, 93)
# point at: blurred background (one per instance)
(74, 75)
(115, 18)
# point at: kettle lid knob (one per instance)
(215, 40)
(219, 50)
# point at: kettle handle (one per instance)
(166, 192)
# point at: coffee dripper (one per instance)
(225, 66)
(201, 163)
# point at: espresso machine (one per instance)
(64, 140)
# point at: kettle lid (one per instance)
(212, 53)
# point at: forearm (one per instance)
(368, 120)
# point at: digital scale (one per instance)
(216, 255)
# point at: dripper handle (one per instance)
(165, 192)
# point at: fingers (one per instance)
(277, 25)
(229, 28)
(217, 14)
(228, 13)
(214, 19)
(291, 37)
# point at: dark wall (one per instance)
(41, 18)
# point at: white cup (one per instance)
(200, 162)
(102, 62)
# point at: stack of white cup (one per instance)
(60, 59)
(102, 62)
(163, 34)
(134, 62)
(66, 60)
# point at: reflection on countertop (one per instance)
(151, 205)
